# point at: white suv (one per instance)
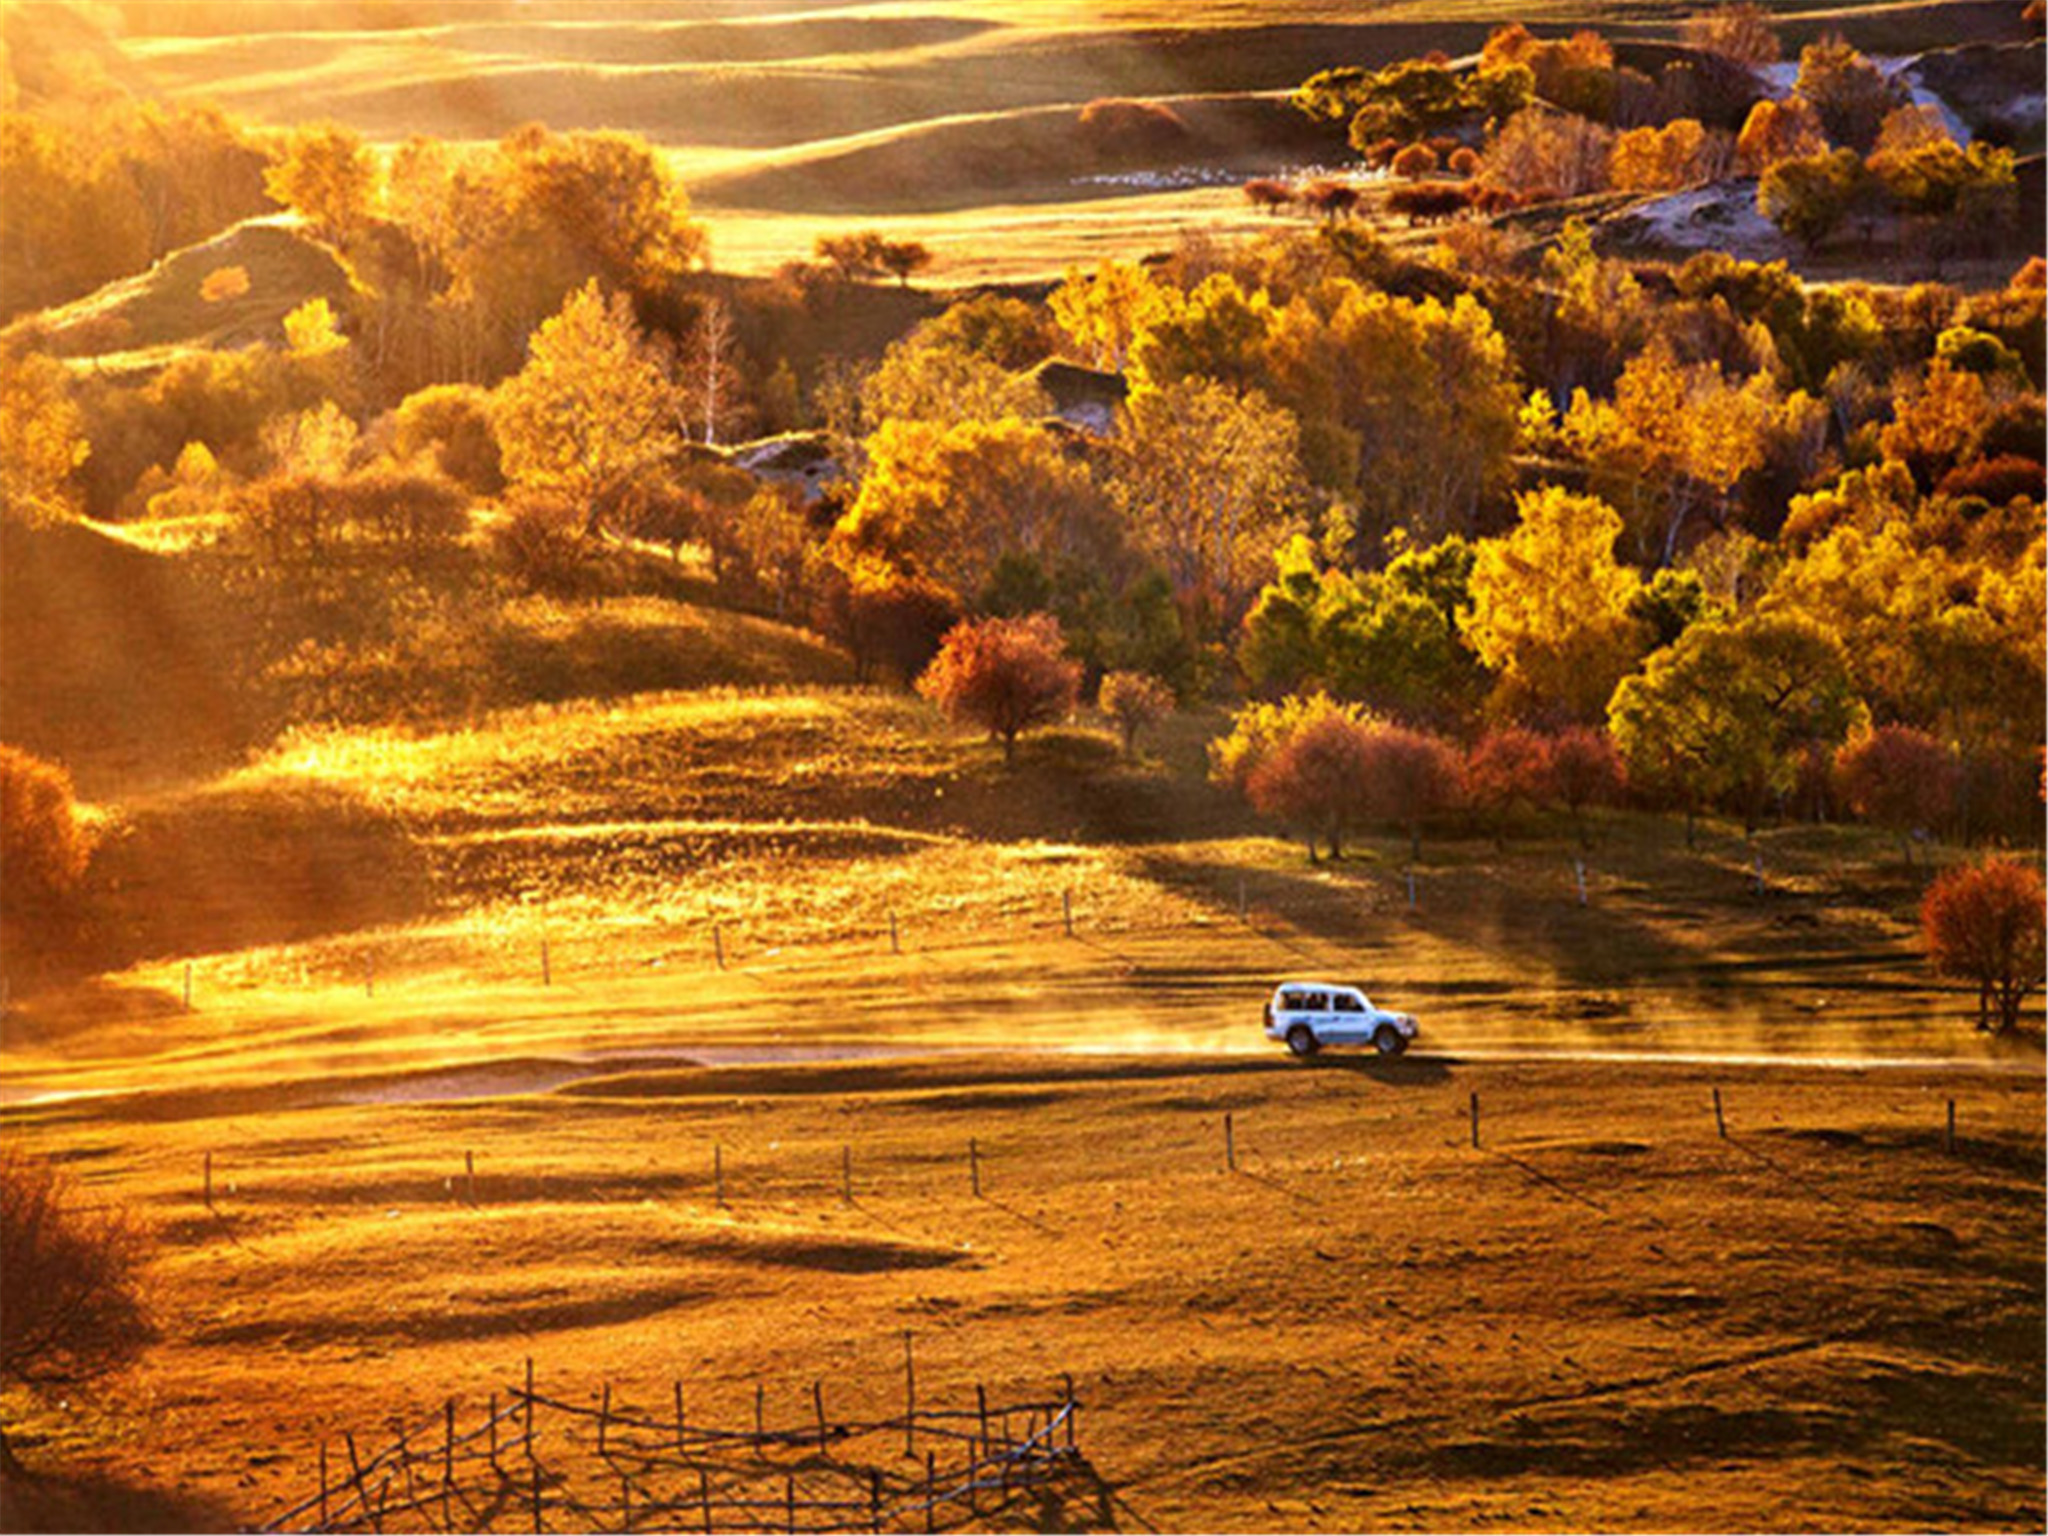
(1309, 1015)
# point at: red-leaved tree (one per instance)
(1410, 776)
(1585, 771)
(1004, 675)
(1318, 780)
(1507, 768)
(1984, 923)
(1899, 778)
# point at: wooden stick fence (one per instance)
(542, 1463)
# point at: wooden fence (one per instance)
(528, 1461)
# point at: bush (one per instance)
(1429, 202)
(540, 542)
(1117, 125)
(1415, 162)
(1134, 700)
(451, 424)
(1983, 923)
(70, 1282)
(44, 852)
(1005, 675)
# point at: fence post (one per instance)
(323, 1485)
(1067, 909)
(718, 1170)
(1579, 866)
(604, 1418)
(974, 1165)
(188, 986)
(1242, 908)
(679, 1418)
(818, 1403)
(1411, 890)
(1229, 1141)
(547, 974)
(909, 1397)
(469, 1175)
(931, 1490)
(1475, 1119)
(895, 944)
(369, 975)
(718, 943)
(760, 1414)
(846, 1175)
(208, 1191)
(704, 1493)
(1951, 1138)
(1720, 1120)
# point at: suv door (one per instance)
(1349, 1018)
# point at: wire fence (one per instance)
(534, 1462)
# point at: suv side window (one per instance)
(1344, 1002)
(1317, 1002)
(1294, 1002)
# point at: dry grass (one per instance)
(1607, 1319)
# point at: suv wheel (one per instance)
(1301, 1040)
(1389, 1041)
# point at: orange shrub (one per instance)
(1415, 162)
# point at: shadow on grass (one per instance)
(39, 1501)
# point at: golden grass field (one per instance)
(1608, 1316)
(714, 907)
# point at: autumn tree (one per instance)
(1984, 923)
(1680, 154)
(44, 848)
(72, 1284)
(1548, 155)
(1551, 608)
(327, 176)
(951, 501)
(1102, 312)
(1898, 777)
(1744, 33)
(1260, 728)
(1410, 776)
(42, 438)
(1778, 130)
(590, 409)
(1585, 772)
(1505, 769)
(1809, 197)
(1851, 94)
(449, 426)
(69, 226)
(1207, 478)
(1135, 701)
(1726, 713)
(1004, 675)
(1318, 779)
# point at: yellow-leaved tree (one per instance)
(42, 437)
(1551, 611)
(590, 410)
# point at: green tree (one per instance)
(1726, 713)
